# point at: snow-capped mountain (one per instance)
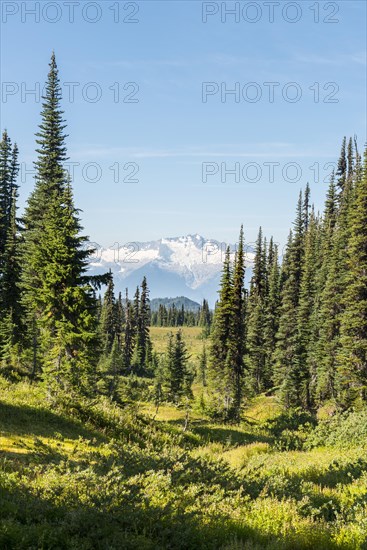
(177, 266)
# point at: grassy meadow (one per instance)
(81, 474)
(192, 336)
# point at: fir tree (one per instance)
(113, 368)
(322, 368)
(352, 354)
(65, 302)
(238, 330)
(57, 294)
(136, 310)
(10, 267)
(144, 340)
(178, 377)
(272, 307)
(142, 344)
(306, 306)
(287, 371)
(108, 319)
(203, 364)
(327, 343)
(120, 320)
(11, 322)
(256, 347)
(128, 341)
(306, 207)
(205, 318)
(50, 185)
(341, 171)
(258, 281)
(221, 333)
(226, 364)
(350, 159)
(334, 270)
(8, 172)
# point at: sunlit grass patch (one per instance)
(263, 408)
(281, 520)
(167, 412)
(239, 456)
(12, 444)
(191, 335)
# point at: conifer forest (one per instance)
(239, 424)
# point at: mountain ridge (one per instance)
(188, 266)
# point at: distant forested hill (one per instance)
(178, 302)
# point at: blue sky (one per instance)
(169, 134)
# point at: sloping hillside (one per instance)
(86, 474)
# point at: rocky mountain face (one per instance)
(177, 266)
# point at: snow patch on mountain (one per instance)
(188, 265)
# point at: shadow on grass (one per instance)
(230, 435)
(337, 473)
(37, 456)
(305, 488)
(24, 420)
(31, 521)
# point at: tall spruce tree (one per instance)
(352, 354)
(128, 340)
(9, 168)
(351, 159)
(227, 351)
(306, 207)
(108, 319)
(258, 280)
(203, 365)
(177, 375)
(120, 320)
(341, 171)
(272, 307)
(142, 343)
(306, 306)
(112, 367)
(237, 344)
(11, 314)
(205, 319)
(287, 372)
(327, 343)
(50, 185)
(321, 363)
(57, 294)
(334, 272)
(220, 337)
(255, 343)
(66, 301)
(11, 321)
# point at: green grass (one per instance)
(79, 474)
(191, 335)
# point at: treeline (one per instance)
(301, 330)
(53, 327)
(49, 310)
(123, 330)
(172, 316)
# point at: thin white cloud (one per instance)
(133, 64)
(263, 150)
(224, 60)
(358, 58)
(213, 59)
